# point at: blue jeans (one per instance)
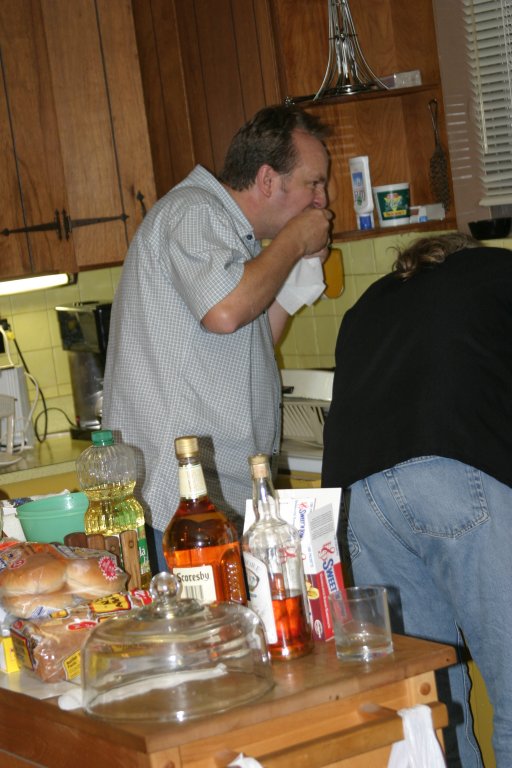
(438, 534)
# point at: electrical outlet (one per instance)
(5, 325)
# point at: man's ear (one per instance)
(265, 179)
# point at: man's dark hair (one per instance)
(267, 139)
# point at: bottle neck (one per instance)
(191, 479)
(264, 499)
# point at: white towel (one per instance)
(420, 748)
(304, 285)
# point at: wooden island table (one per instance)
(321, 712)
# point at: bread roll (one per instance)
(94, 577)
(38, 574)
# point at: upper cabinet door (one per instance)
(101, 123)
(207, 66)
(77, 173)
(126, 98)
(32, 189)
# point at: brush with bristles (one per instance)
(439, 176)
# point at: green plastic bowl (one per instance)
(52, 518)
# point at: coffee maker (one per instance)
(84, 330)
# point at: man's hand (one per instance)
(322, 255)
(311, 229)
(306, 235)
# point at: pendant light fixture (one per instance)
(347, 70)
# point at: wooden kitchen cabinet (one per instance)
(32, 185)
(73, 133)
(321, 713)
(208, 65)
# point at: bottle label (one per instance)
(143, 551)
(260, 594)
(358, 189)
(191, 481)
(197, 582)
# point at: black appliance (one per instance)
(84, 331)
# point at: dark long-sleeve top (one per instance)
(424, 367)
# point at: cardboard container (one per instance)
(8, 660)
(392, 204)
(314, 512)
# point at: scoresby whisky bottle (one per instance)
(275, 574)
(200, 544)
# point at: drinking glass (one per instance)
(360, 617)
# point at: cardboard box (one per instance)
(8, 660)
(314, 512)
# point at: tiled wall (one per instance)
(33, 320)
(309, 342)
(311, 336)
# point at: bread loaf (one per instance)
(51, 648)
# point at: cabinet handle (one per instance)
(379, 727)
(140, 198)
(46, 227)
(70, 224)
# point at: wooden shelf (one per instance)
(309, 101)
(419, 227)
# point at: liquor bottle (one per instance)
(107, 474)
(200, 544)
(275, 574)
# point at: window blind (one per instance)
(488, 26)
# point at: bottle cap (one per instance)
(258, 458)
(259, 465)
(186, 446)
(102, 437)
(365, 221)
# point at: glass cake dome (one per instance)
(174, 659)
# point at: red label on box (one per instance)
(320, 585)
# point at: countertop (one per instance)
(55, 456)
(318, 710)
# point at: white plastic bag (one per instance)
(420, 747)
(244, 762)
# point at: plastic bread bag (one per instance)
(51, 647)
(41, 580)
